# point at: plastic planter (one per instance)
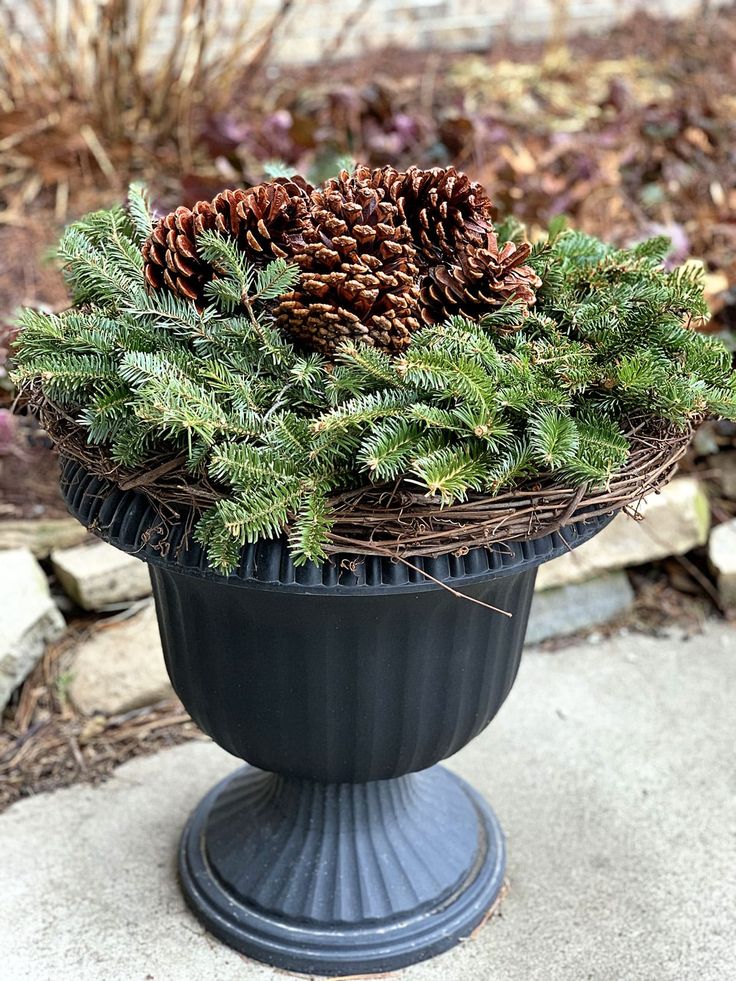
(342, 848)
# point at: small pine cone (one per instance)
(267, 222)
(170, 256)
(479, 280)
(444, 209)
(359, 277)
(450, 219)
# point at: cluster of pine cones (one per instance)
(380, 253)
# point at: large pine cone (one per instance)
(477, 281)
(444, 209)
(266, 221)
(359, 277)
(449, 215)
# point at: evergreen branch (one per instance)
(310, 529)
(244, 466)
(166, 312)
(261, 514)
(448, 377)
(67, 376)
(92, 276)
(519, 395)
(139, 210)
(226, 259)
(451, 472)
(309, 374)
(370, 366)
(278, 277)
(387, 450)
(277, 168)
(225, 294)
(511, 467)
(553, 438)
(362, 410)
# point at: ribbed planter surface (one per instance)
(347, 850)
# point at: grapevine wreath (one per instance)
(370, 366)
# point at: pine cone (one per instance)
(450, 219)
(380, 252)
(479, 280)
(444, 209)
(359, 277)
(267, 222)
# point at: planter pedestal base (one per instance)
(340, 879)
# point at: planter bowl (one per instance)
(342, 848)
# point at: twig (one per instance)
(392, 519)
(98, 152)
(455, 592)
(348, 25)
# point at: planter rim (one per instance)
(131, 522)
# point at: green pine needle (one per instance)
(553, 438)
(451, 472)
(468, 407)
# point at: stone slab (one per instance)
(98, 575)
(42, 536)
(564, 610)
(725, 464)
(120, 667)
(29, 619)
(722, 558)
(673, 522)
(609, 767)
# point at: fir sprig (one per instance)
(468, 407)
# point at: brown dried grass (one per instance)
(93, 93)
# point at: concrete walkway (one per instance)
(611, 768)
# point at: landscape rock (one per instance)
(98, 575)
(565, 610)
(705, 442)
(28, 618)
(674, 521)
(726, 467)
(722, 557)
(42, 536)
(120, 667)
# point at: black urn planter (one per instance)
(342, 848)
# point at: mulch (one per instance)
(29, 475)
(45, 743)
(28, 470)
